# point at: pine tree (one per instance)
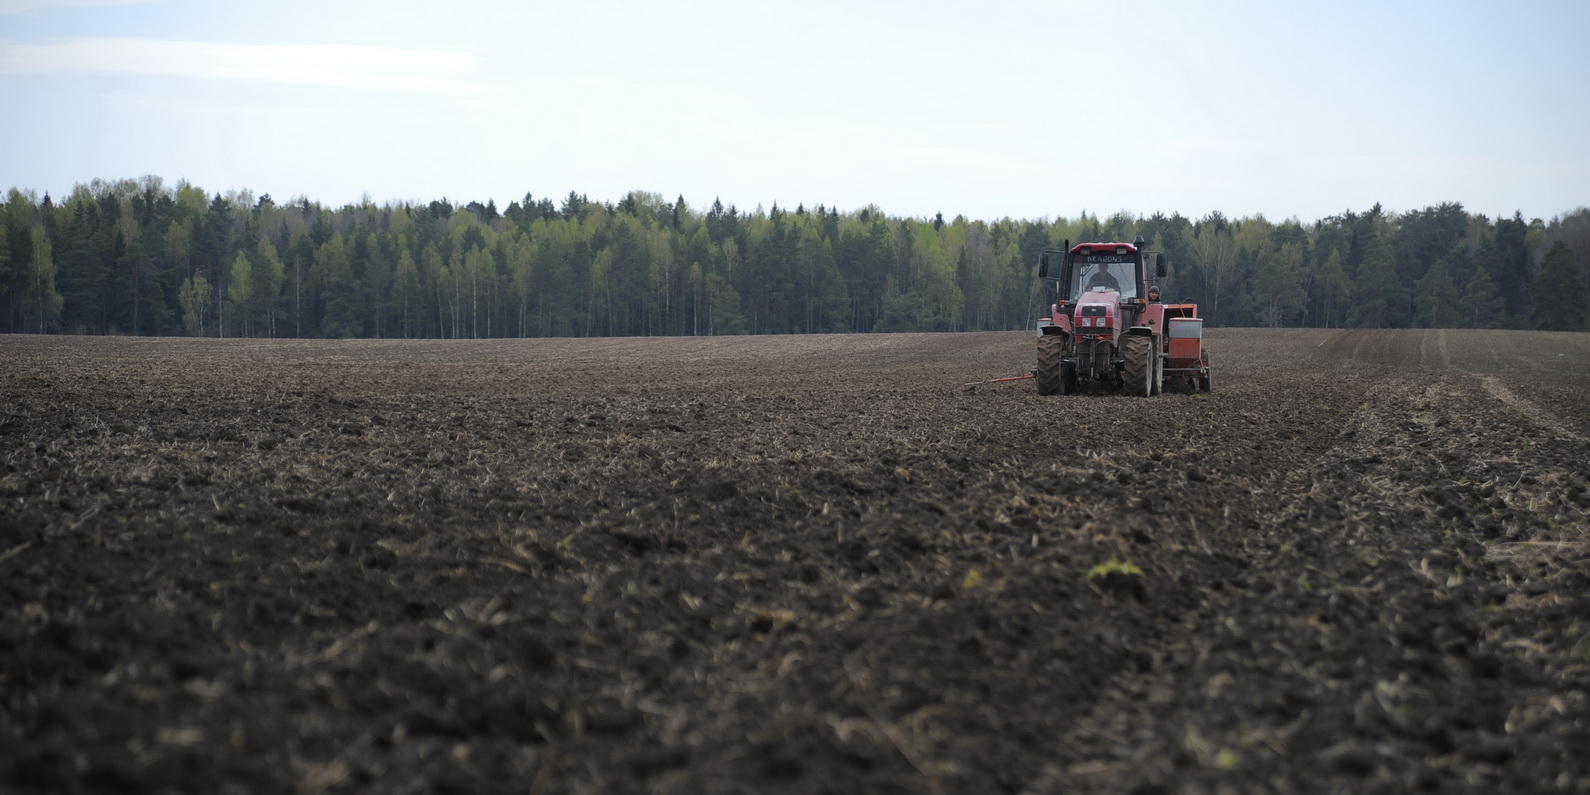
(340, 290)
(1376, 293)
(1559, 301)
(1278, 286)
(1435, 298)
(1482, 305)
(723, 307)
(1510, 262)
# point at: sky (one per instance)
(1001, 108)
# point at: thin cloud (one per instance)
(333, 65)
(24, 6)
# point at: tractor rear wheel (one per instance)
(1137, 370)
(1050, 380)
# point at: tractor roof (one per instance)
(1103, 248)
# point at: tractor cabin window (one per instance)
(1092, 274)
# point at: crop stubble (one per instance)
(794, 564)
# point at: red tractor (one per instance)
(1108, 327)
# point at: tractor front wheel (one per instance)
(1137, 370)
(1051, 381)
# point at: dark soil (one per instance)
(798, 564)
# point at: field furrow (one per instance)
(792, 564)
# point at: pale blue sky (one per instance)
(987, 109)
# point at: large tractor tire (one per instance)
(1137, 370)
(1051, 381)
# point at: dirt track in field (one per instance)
(793, 564)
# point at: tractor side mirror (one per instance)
(1043, 266)
(1159, 265)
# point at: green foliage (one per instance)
(1214, 261)
(269, 274)
(40, 291)
(241, 291)
(143, 257)
(1278, 296)
(1114, 566)
(1330, 291)
(1482, 305)
(1378, 297)
(1510, 263)
(1560, 301)
(7, 275)
(195, 297)
(723, 307)
(340, 290)
(1435, 298)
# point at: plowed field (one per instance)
(794, 564)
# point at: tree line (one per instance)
(141, 257)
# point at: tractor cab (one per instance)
(1087, 272)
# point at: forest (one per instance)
(140, 257)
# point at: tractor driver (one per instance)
(1103, 278)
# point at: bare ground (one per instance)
(793, 564)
